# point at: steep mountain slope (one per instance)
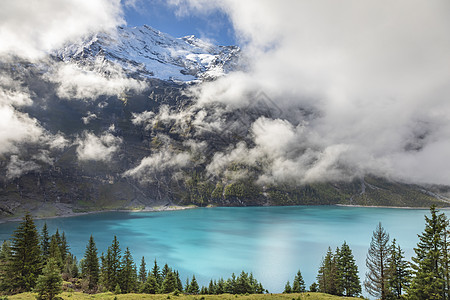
(111, 126)
(144, 51)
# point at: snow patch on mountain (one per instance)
(146, 52)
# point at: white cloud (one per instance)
(30, 29)
(151, 165)
(92, 147)
(16, 128)
(89, 117)
(58, 142)
(374, 74)
(90, 82)
(17, 167)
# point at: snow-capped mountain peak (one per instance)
(148, 52)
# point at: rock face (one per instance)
(113, 128)
(144, 51)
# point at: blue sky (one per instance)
(215, 26)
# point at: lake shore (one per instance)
(384, 206)
(67, 213)
(70, 213)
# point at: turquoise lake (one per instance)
(271, 242)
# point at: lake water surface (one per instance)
(271, 242)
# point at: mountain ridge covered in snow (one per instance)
(146, 52)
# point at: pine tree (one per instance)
(204, 290)
(287, 288)
(348, 272)
(142, 271)
(187, 286)
(5, 266)
(211, 288)
(179, 283)
(49, 284)
(45, 242)
(399, 272)
(63, 247)
(128, 277)
(327, 277)
(55, 252)
(377, 263)
(170, 283)
(71, 267)
(298, 286)
(165, 271)
(150, 286)
(156, 273)
(58, 238)
(429, 282)
(111, 267)
(243, 284)
(26, 261)
(256, 287)
(103, 273)
(90, 269)
(337, 273)
(446, 259)
(193, 286)
(117, 290)
(220, 287)
(314, 287)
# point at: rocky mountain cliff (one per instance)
(149, 53)
(108, 123)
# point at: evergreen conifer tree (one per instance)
(211, 288)
(156, 273)
(112, 265)
(128, 276)
(103, 274)
(5, 267)
(179, 283)
(55, 252)
(90, 269)
(348, 272)
(142, 271)
(287, 288)
(117, 289)
(170, 283)
(187, 286)
(45, 242)
(298, 286)
(377, 263)
(428, 281)
(63, 247)
(327, 277)
(204, 290)
(399, 272)
(58, 238)
(49, 284)
(446, 259)
(314, 287)
(71, 266)
(151, 286)
(193, 286)
(26, 264)
(243, 284)
(337, 273)
(165, 271)
(220, 286)
(230, 286)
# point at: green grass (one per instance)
(110, 296)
